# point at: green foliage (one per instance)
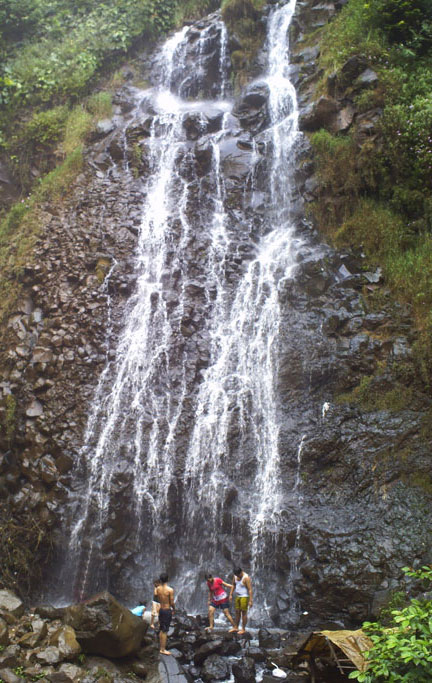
(397, 600)
(347, 35)
(404, 651)
(336, 162)
(403, 21)
(407, 150)
(99, 105)
(378, 229)
(372, 395)
(234, 10)
(193, 9)
(410, 271)
(18, 17)
(13, 219)
(77, 128)
(376, 192)
(58, 182)
(45, 127)
(242, 18)
(69, 42)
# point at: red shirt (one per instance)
(216, 587)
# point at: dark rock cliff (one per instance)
(354, 447)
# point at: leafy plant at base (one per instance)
(403, 651)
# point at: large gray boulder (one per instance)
(215, 668)
(207, 649)
(11, 603)
(105, 627)
(244, 670)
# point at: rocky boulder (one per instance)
(104, 627)
(319, 114)
(207, 649)
(244, 671)
(11, 603)
(215, 668)
(252, 110)
(65, 639)
(268, 640)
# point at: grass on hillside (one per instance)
(378, 195)
(20, 228)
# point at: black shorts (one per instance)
(165, 616)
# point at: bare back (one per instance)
(166, 596)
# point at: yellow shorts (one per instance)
(241, 603)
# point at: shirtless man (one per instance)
(242, 588)
(165, 595)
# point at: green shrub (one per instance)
(336, 160)
(348, 35)
(407, 151)
(402, 652)
(45, 127)
(402, 21)
(410, 271)
(380, 231)
(18, 17)
(242, 18)
(74, 40)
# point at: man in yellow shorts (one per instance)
(242, 589)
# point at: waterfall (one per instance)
(181, 450)
(241, 380)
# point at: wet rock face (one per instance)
(204, 61)
(355, 461)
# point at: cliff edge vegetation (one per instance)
(375, 174)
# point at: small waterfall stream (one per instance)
(183, 433)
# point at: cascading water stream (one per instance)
(172, 446)
(241, 380)
(139, 400)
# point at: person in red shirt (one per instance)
(218, 599)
